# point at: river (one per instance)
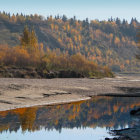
(90, 119)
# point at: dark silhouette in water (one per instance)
(109, 112)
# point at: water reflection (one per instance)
(99, 113)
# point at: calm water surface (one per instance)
(85, 120)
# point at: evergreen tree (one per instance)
(64, 18)
(25, 39)
(33, 39)
(29, 39)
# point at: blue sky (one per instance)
(93, 9)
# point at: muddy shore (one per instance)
(18, 93)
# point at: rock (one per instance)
(51, 75)
(107, 139)
(120, 138)
(135, 112)
(115, 139)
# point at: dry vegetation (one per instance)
(112, 43)
(31, 54)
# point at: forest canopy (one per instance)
(31, 54)
(111, 43)
(138, 38)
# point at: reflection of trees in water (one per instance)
(27, 119)
(106, 112)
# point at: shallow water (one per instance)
(92, 119)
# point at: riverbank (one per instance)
(18, 93)
(133, 131)
(31, 72)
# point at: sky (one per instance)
(82, 9)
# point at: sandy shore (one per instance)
(18, 93)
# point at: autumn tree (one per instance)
(138, 36)
(25, 39)
(29, 39)
(29, 42)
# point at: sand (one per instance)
(18, 93)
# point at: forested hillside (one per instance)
(111, 42)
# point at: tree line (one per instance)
(30, 53)
(112, 43)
